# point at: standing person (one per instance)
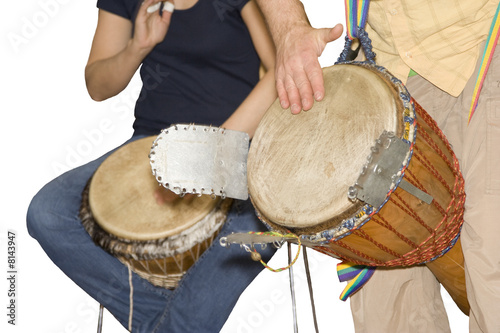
(199, 64)
(441, 41)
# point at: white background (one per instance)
(50, 125)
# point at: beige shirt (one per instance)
(438, 39)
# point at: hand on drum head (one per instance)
(164, 196)
(299, 79)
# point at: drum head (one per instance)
(301, 166)
(121, 197)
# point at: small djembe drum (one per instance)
(158, 242)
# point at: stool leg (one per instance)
(99, 320)
(309, 284)
(292, 289)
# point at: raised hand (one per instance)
(151, 26)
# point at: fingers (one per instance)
(300, 91)
(299, 77)
(313, 70)
(152, 23)
(293, 84)
(280, 88)
(298, 84)
(148, 7)
(334, 33)
(315, 77)
(168, 9)
(153, 6)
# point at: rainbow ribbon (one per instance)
(355, 14)
(489, 49)
(357, 275)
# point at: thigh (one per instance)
(400, 300)
(476, 147)
(481, 228)
(213, 285)
(480, 160)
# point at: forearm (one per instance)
(107, 77)
(282, 16)
(247, 116)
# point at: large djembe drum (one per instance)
(366, 175)
(158, 242)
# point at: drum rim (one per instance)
(363, 212)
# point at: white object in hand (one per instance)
(168, 6)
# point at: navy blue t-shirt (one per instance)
(201, 72)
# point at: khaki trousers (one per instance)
(408, 299)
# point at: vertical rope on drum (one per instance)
(162, 265)
(198, 250)
(428, 165)
(179, 266)
(414, 181)
(193, 256)
(426, 138)
(434, 127)
(360, 254)
(410, 212)
(362, 234)
(131, 298)
(383, 222)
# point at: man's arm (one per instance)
(299, 79)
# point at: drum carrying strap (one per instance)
(491, 43)
(356, 12)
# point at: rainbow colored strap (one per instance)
(489, 49)
(357, 275)
(355, 14)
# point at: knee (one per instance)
(36, 215)
(51, 211)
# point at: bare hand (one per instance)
(299, 78)
(151, 27)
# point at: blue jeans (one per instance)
(202, 301)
